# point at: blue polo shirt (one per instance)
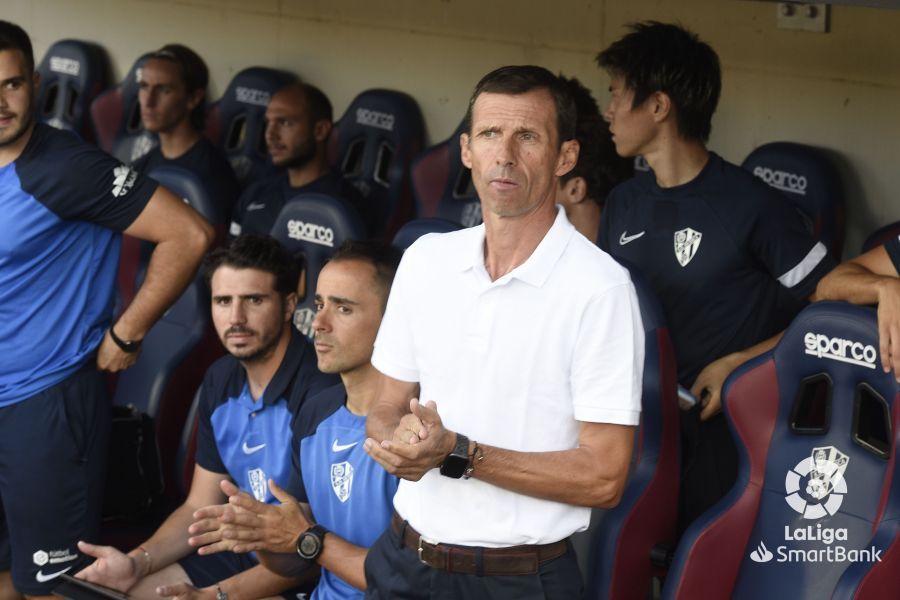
(349, 493)
(729, 258)
(251, 440)
(62, 206)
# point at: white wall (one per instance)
(837, 90)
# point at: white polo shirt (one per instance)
(514, 363)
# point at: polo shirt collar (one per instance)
(538, 267)
(297, 349)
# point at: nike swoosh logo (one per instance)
(335, 447)
(41, 578)
(252, 449)
(255, 206)
(624, 239)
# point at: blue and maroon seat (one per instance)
(236, 122)
(312, 227)
(809, 179)
(73, 73)
(815, 422)
(443, 185)
(413, 230)
(116, 115)
(619, 564)
(373, 145)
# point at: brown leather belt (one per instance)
(512, 560)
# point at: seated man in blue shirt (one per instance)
(172, 96)
(349, 494)
(248, 401)
(298, 123)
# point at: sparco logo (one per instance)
(373, 118)
(782, 180)
(67, 66)
(251, 96)
(310, 232)
(848, 351)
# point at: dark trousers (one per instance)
(394, 572)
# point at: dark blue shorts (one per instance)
(204, 571)
(52, 472)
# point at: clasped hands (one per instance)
(420, 442)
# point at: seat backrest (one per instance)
(373, 145)
(73, 73)
(619, 564)
(181, 345)
(416, 228)
(443, 185)
(116, 115)
(236, 122)
(881, 236)
(809, 179)
(312, 227)
(815, 424)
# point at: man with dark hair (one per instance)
(718, 246)
(583, 190)
(298, 123)
(344, 496)
(172, 95)
(523, 335)
(63, 205)
(248, 401)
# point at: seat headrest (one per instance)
(316, 224)
(236, 122)
(413, 230)
(443, 185)
(73, 74)
(810, 180)
(116, 115)
(187, 185)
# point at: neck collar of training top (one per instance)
(537, 268)
(712, 163)
(287, 370)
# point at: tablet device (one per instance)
(79, 589)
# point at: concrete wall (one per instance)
(837, 90)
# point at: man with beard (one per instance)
(298, 123)
(248, 401)
(63, 206)
(173, 105)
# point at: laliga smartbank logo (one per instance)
(815, 489)
(848, 351)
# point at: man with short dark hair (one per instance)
(348, 494)
(583, 190)
(298, 123)
(63, 206)
(172, 96)
(526, 342)
(718, 246)
(247, 404)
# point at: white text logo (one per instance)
(251, 96)
(310, 232)
(373, 118)
(67, 66)
(761, 554)
(848, 351)
(816, 485)
(123, 180)
(782, 180)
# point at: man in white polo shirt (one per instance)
(525, 341)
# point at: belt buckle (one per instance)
(419, 549)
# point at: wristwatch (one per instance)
(311, 542)
(129, 346)
(456, 462)
(220, 594)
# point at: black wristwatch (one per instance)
(311, 542)
(130, 346)
(456, 462)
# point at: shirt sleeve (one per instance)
(394, 353)
(295, 485)
(781, 241)
(608, 363)
(208, 455)
(893, 250)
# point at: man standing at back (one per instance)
(718, 245)
(298, 123)
(63, 204)
(172, 95)
(526, 342)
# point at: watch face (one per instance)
(308, 546)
